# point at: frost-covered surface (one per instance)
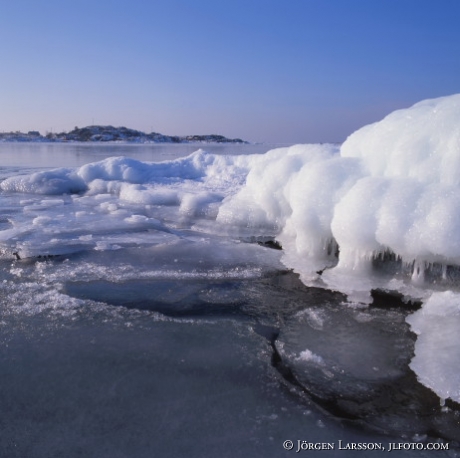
(380, 211)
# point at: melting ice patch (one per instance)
(437, 359)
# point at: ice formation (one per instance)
(393, 188)
(437, 360)
(391, 192)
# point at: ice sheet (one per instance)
(380, 211)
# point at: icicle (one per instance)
(444, 271)
(418, 272)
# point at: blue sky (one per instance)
(292, 71)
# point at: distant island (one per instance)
(111, 134)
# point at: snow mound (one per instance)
(420, 143)
(392, 188)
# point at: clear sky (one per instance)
(264, 70)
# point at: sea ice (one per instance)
(437, 359)
(380, 211)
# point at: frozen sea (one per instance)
(147, 311)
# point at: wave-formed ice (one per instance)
(125, 170)
(392, 188)
(115, 202)
(291, 193)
